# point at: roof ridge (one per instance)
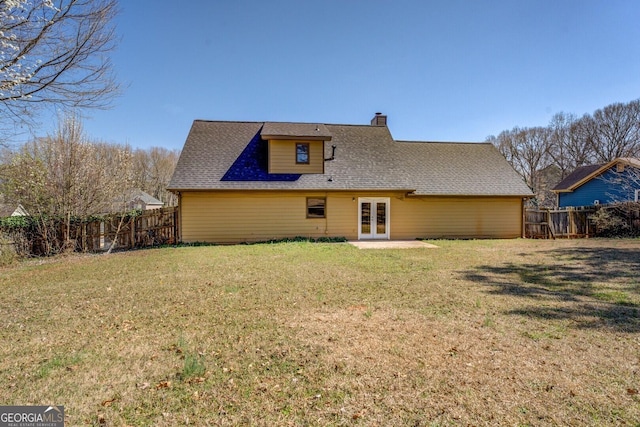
(227, 121)
(444, 142)
(285, 122)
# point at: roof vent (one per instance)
(379, 120)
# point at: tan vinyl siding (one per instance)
(456, 217)
(282, 157)
(231, 217)
(255, 216)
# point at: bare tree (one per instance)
(569, 145)
(55, 52)
(65, 175)
(614, 131)
(153, 169)
(539, 153)
(526, 149)
(162, 164)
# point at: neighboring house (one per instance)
(616, 181)
(7, 210)
(254, 181)
(138, 199)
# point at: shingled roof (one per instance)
(222, 155)
(295, 130)
(7, 210)
(584, 173)
(576, 176)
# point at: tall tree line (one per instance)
(68, 174)
(545, 155)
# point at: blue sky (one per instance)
(449, 70)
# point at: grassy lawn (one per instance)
(513, 332)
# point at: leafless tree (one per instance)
(153, 170)
(569, 146)
(55, 52)
(569, 142)
(614, 131)
(65, 175)
(526, 149)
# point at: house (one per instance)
(615, 181)
(255, 181)
(7, 210)
(139, 199)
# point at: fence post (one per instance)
(572, 223)
(586, 224)
(132, 232)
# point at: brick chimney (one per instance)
(379, 120)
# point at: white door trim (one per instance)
(373, 229)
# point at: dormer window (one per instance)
(297, 148)
(302, 153)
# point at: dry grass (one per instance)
(472, 333)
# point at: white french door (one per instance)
(373, 218)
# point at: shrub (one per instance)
(610, 222)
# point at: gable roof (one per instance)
(587, 173)
(221, 155)
(7, 210)
(143, 196)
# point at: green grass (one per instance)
(510, 332)
(617, 297)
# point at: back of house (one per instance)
(256, 181)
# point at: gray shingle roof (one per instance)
(583, 172)
(576, 176)
(366, 158)
(7, 210)
(441, 168)
(299, 130)
(146, 198)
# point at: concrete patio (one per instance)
(391, 244)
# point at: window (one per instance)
(302, 153)
(316, 207)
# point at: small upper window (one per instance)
(316, 207)
(302, 153)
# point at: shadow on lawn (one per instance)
(594, 287)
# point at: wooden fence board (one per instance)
(575, 222)
(150, 228)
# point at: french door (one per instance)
(373, 218)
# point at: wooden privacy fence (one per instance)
(151, 228)
(578, 222)
(42, 236)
